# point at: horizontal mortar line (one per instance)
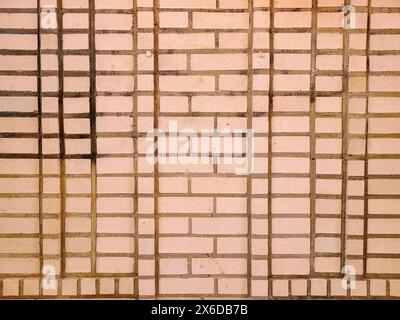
(388, 94)
(199, 275)
(320, 9)
(84, 115)
(213, 72)
(129, 155)
(167, 30)
(256, 216)
(196, 174)
(196, 72)
(319, 275)
(71, 296)
(383, 255)
(188, 51)
(68, 276)
(216, 50)
(67, 254)
(383, 236)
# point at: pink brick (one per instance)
(219, 225)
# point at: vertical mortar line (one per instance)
(61, 134)
(270, 111)
(366, 204)
(250, 150)
(93, 135)
(314, 22)
(345, 142)
(135, 148)
(40, 140)
(155, 126)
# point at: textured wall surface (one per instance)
(84, 213)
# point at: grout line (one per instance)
(155, 127)
(366, 171)
(40, 140)
(135, 149)
(250, 149)
(345, 143)
(270, 111)
(63, 191)
(93, 135)
(312, 135)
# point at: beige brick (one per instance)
(233, 4)
(385, 42)
(126, 286)
(336, 288)
(20, 41)
(18, 20)
(121, 4)
(292, 62)
(360, 289)
(107, 286)
(232, 40)
(318, 287)
(173, 185)
(188, 4)
(115, 245)
(290, 266)
(173, 62)
(219, 62)
(292, 41)
(219, 225)
(78, 245)
(219, 103)
(233, 82)
(290, 246)
(174, 104)
(385, 20)
(174, 20)
(187, 83)
(231, 205)
(194, 286)
(146, 268)
(292, 19)
(186, 245)
(382, 266)
(378, 287)
(20, 226)
(231, 245)
(74, 265)
(323, 264)
(219, 266)
(114, 265)
(299, 287)
(187, 41)
(10, 287)
(115, 225)
(291, 82)
(31, 287)
(69, 287)
(212, 20)
(218, 185)
(229, 286)
(173, 266)
(88, 286)
(185, 205)
(113, 21)
(280, 288)
(174, 225)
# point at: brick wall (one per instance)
(79, 196)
